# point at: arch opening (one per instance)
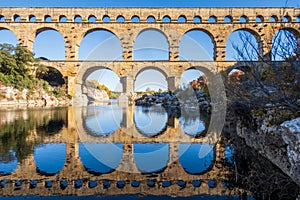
(135, 19)
(62, 18)
(77, 18)
(47, 18)
(286, 18)
(120, 19)
(181, 19)
(97, 160)
(43, 46)
(166, 19)
(150, 19)
(259, 18)
(102, 120)
(144, 154)
(228, 19)
(32, 18)
(150, 79)
(8, 37)
(196, 45)
(2, 18)
(196, 158)
(100, 44)
(284, 45)
(273, 18)
(150, 121)
(92, 18)
(151, 44)
(243, 19)
(212, 19)
(52, 76)
(17, 18)
(106, 18)
(197, 19)
(242, 45)
(49, 158)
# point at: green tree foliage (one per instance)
(15, 63)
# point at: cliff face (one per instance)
(279, 143)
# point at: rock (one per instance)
(97, 95)
(80, 100)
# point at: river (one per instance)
(128, 153)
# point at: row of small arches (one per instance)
(151, 18)
(106, 184)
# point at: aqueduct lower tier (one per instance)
(173, 23)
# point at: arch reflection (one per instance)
(196, 158)
(49, 158)
(150, 121)
(8, 162)
(151, 158)
(100, 158)
(191, 123)
(103, 120)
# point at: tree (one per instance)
(267, 82)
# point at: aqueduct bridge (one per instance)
(27, 23)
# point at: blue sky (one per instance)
(106, 46)
(150, 3)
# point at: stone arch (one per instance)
(92, 18)
(17, 18)
(151, 19)
(197, 19)
(160, 68)
(144, 159)
(292, 42)
(212, 19)
(85, 71)
(77, 18)
(228, 19)
(54, 76)
(48, 152)
(166, 19)
(47, 18)
(164, 37)
(120, 18)
(105, 18)
(2, 18)
(209, 34)
(286, 18)
(60, 37)
(135, 19)
(253, 32)
(244, 19)
(259, 18)
(62, 18)
(182, 19)
(84, 34)
(13, 39)
(31, 18)
(274, 18)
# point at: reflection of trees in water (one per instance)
(258, 175)
(15, 139)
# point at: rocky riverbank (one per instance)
(10, 96)
(181, 99)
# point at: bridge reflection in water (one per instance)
(111, 150)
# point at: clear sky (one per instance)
(150, 45)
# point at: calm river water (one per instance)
(111, 152)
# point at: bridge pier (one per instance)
(173, 82)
